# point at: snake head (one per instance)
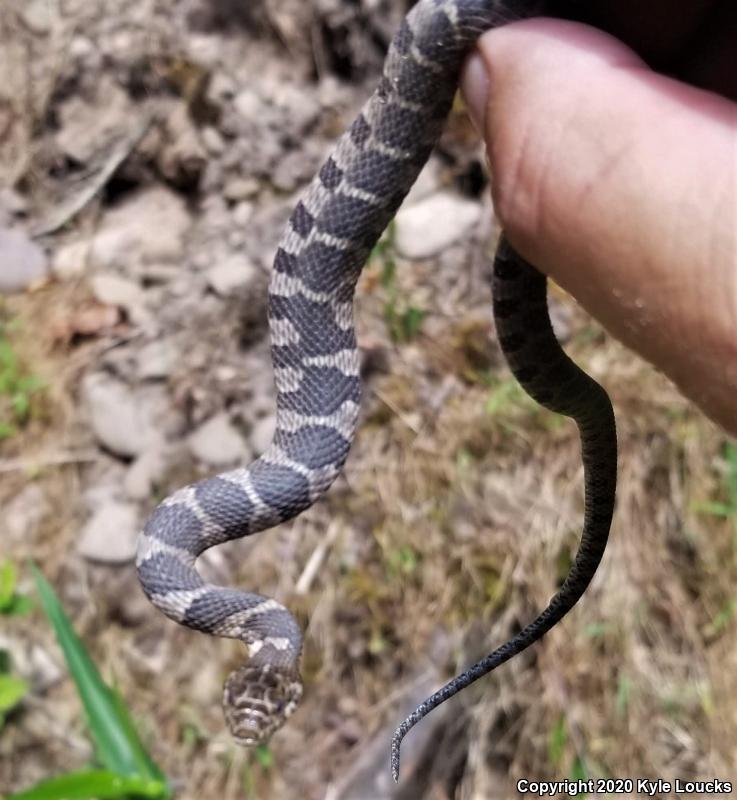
(257, 701)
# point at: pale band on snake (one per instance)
(316, 362)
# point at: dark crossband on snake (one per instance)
(328, 238)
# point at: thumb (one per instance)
(620, 184)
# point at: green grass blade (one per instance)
(97, 784)
(7, 430)
(715, 508)
(12, 691)
(8, 580)
(19, 605)
(730, 455)
(11, 603)
(118, 745)
(128, 728)
(557, 741)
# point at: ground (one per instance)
(153, 151)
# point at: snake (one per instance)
(328, 238)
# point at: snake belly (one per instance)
(316, 367)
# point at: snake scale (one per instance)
(316, 365)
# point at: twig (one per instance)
(392, 406)
(76, 203)
(58, 460)
(315, 560)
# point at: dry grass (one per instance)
(454, 520)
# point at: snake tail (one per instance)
(550, 377)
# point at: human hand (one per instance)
(621, 184)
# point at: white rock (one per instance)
(242, 213)
(22, 515)
(221, 87)
(225, 373)
(22, 261)
(12, 202)
(149, 227)
(144, 473)
(248, 104)
(182, 157)
(240, 188)
(81, 47)
(107, 488)
(116, 291)
(38, 15)
(237, 272)
(121, 43)
(213, 177)
(45, 671)
(207, 689)
(302, 106)
(430, 226)
(85, 125)
(212, 140)
(117, 419)
(217, 442)
(236, 239)
(156, 359)
(215, 217)
(32, 662)
(294, 168)
(70, 260)
(110, 535)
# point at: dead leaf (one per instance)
(92, 319)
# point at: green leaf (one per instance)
(715, 508)
(386, 243)
(19, 605)
(723, 617)
(4, 662)
(596, 629)
(12, 691)
(623, 695)
(8, 361)
(21, 405)
(7, 430)
(265, 757)
(128, 728)
(557, 742)
(388, 273)
(97, 784)
(402, 560)
(118, 745)
(411, 322)
(499, 397)
(8, 580)
(579, 773)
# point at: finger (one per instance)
(622, 185)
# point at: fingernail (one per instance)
(475, 88)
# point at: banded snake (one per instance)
(316, 366)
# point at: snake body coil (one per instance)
(328, 238)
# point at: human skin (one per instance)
(621, 184)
